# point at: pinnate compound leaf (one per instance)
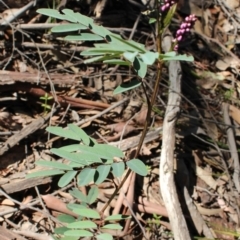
(171, 56)
(179, 58)
(52, 164)
(72, 206)
(104, 236)
(79, 233)
(92, 195)
(117, 217)
(99, 30)
(101, 173)
(51, 13)
(149, 57)
(118, 169)
(94, 59)
(140, 67)
(78, 17)
(127, 86)
(66, 178)
(113, 226)
(60, 230)
(70, 15)
(77, 130)
(66, 133)
(68, 28)
(86, 176)
(78, 194)
(117, 62)
(74, 157)
(130, 56)
(68, 238)
(86, 212)
(45, 173)
(127, 45)
(70, 148)
(82, 224)
(108, 151)
(66, 218)
(83, 37)
(137, 166)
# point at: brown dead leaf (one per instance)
(234, 113)
(56, 204)
(120, 127)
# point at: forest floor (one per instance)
(44, 82)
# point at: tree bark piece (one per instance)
(167, 185)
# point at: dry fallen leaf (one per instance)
(234, 113)
(57, 205)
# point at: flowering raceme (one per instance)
(167, 4)
(184, 28)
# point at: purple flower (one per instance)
(167, 4)
(184, 28)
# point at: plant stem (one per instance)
(148, 118)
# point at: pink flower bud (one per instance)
(179, 38)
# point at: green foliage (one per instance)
(45, 106)
(111, 48)
(87, 162)
(90, 163)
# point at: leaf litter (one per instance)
(203, 143)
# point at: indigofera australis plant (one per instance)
(89, 161)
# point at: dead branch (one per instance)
(167, 184)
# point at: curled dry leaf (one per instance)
(57, 205)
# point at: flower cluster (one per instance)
(184, 28)
(167, 4)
